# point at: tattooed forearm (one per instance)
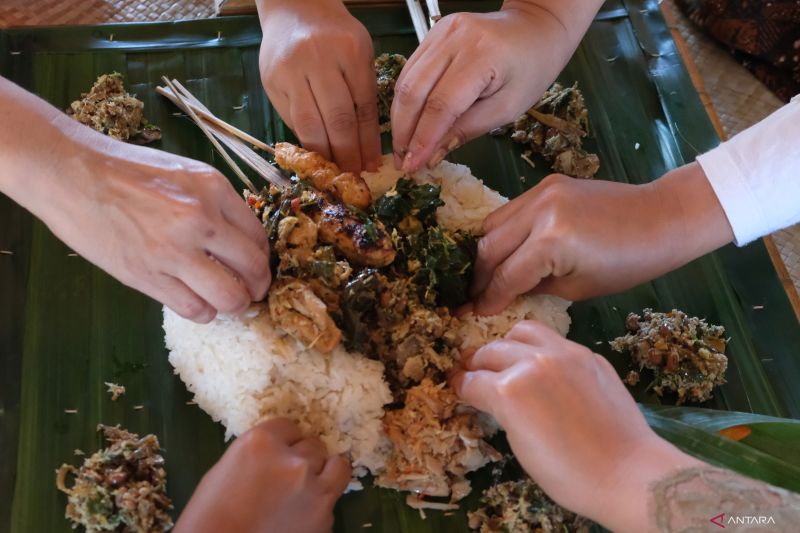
(689, 499)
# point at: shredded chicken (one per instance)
(295, 309)
(437, 441)
(324, 175)
(115, 390)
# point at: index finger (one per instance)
(415, 82)
(459, 87)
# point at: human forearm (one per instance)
(32, 136)
(693, 221)
(573, 17)
(687, 499)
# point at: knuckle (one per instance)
(367, 112)
(297, 467)
(306, 123)
(501, 280)
(342, 120)
(256, 440)
(525, 326)
(232, 301)
(508, 388)
(458, 20)
(486, 245)
(191, 308)
(436, 105)
(404, 94)
(257, 264)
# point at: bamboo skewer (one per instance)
(418, 19)
(434, 13)
(256, 162)
(207, 116)
(219, 131)
(190, 111)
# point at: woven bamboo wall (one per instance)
(58, 12)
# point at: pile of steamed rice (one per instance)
(243, 370)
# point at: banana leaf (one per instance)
(66, 327)
(769, 448)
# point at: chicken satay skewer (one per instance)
(323, 174)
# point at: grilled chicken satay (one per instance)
(339, 227)
(325, 175)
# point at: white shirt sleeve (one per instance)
(756, 175)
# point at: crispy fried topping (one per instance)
(120, 488)
(687, 355)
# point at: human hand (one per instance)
(170, 227)
(477, 71)
(571, 424)
(583, 238)
(270, 479)
(317, 68)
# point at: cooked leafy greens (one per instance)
(409, 199)
(439, 261)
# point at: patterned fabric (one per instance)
(764, 35)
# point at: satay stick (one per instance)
(202, 125)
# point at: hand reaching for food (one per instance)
(317, 68)
(477, 71)
(168, 226)
(567, 416)
(583, 238)
(270, 479)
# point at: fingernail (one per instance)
(437, 157)
(453, 144)
(407, 162)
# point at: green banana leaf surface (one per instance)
(66, 327)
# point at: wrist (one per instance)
(693, 217)
(571, 19)
(622, 503)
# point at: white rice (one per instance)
(243, 370)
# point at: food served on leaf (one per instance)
(554, 128)
(387, 70)
(436, 440)
(323, 175)
(120, 488)
(387, 286)
(111, 110)
(522, 507)
(686, 354)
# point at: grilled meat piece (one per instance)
(295, 309)
(324, 175)
(338, 226)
